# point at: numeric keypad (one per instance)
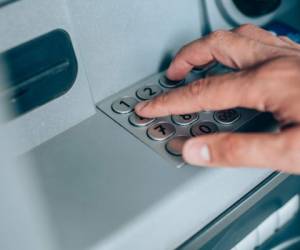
(167, 135)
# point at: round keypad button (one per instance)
(161, 131)
(148, 92)
(175, 145)
(184, 120)
(227, 116)
(204, 128)
(124, 105)
(138, 121)
(167, 83)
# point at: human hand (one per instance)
(268, 80)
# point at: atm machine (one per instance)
(76, 175)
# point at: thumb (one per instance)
(237, 149)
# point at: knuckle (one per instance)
(193, 89)
(246, 28)
(218, 35)
(258, 94)
(162, 102)
(283, 37)
(196, 89)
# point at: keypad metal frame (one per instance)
(141, 132)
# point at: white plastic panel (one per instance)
(24, 20)
(125, 41)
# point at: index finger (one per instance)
(211, 93)
(226, 47)
(257, 88)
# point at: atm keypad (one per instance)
(166, 135)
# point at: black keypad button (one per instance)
(227, 116)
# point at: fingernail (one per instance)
(196, 153)
(204, 153)
(141, 105)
